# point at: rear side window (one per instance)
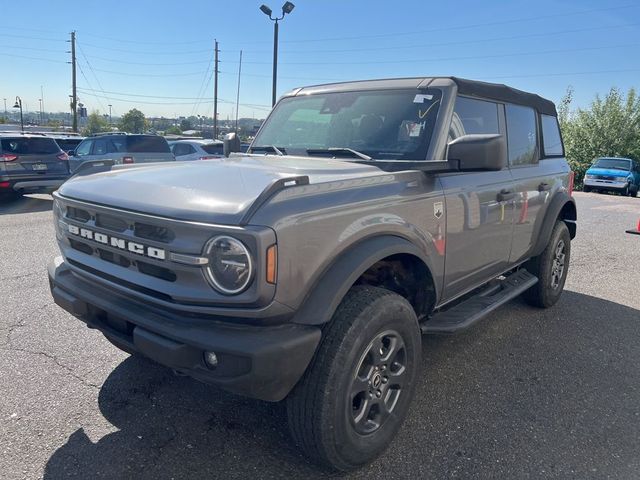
(473, 116)
(181, 149)
(521, 135)
(215, 149)
(147, 144)
(552, 142)
(30, 146)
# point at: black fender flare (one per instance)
(557, 204)
(327, 292)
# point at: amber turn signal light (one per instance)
(272, 264)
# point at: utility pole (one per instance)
(74, 96)
(42, 105)
(238, 93)
(110, 113)
(215, 93)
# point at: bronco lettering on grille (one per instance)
(120, 243)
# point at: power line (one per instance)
(463, 27)
(468, 57)
(91, 68)
(459, 42)
(31, 58)
(256, 106)
(146, 52)
(130, 74)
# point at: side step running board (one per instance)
(466, 313)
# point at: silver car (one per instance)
(122, 148)
(197, 149)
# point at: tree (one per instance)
(185, 124)
(610, 127)
(96, 123)
(173, 130)
(133, 122)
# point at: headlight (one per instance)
(621, 179)
(589, 177)
(230, 268)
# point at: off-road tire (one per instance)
(321, 408)
(547, 292)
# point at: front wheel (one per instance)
(551, 268)
(354, 397)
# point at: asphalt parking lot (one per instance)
(525, 394)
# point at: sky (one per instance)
(157, 55)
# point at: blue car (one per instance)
(620, 175)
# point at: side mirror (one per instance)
(231, 144)
(71, 153)
(479, 152)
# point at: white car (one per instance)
(185, 150)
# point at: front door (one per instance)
(479, 207)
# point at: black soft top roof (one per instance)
(494, 91)
(498, 91)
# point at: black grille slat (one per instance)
(108, 256)
(78, 214)
(155, 271)
(109, 222)
(81, 247)
(153, 232)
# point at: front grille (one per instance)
(120, 281)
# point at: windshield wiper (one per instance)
(269, 148)
(355, 153)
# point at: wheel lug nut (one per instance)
(385, 379)
(378, 393)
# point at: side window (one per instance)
(100, 147)
(552, 142)
(521, 135)
(84, 148)
(180, 149)
(473, 116)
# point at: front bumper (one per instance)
(605, 184)
(259, 362)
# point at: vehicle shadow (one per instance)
(25, 204)
(524, 392)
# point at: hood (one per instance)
(210, 191)
(608, 172)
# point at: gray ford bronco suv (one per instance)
(363, 215)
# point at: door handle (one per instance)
(544, 187)
(506, 195)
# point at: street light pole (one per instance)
(110, 113)
(41, 117)
(286, 9)
(19, 105)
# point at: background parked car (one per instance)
(122, 148)
(68, 143)
(31, 163)
(197, 149)
(613, 174)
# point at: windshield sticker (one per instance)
(415, 129)
(421, 98)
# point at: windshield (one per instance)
(613, 163)
(382, 124)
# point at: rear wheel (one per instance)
(551, 268)
(354, 397)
